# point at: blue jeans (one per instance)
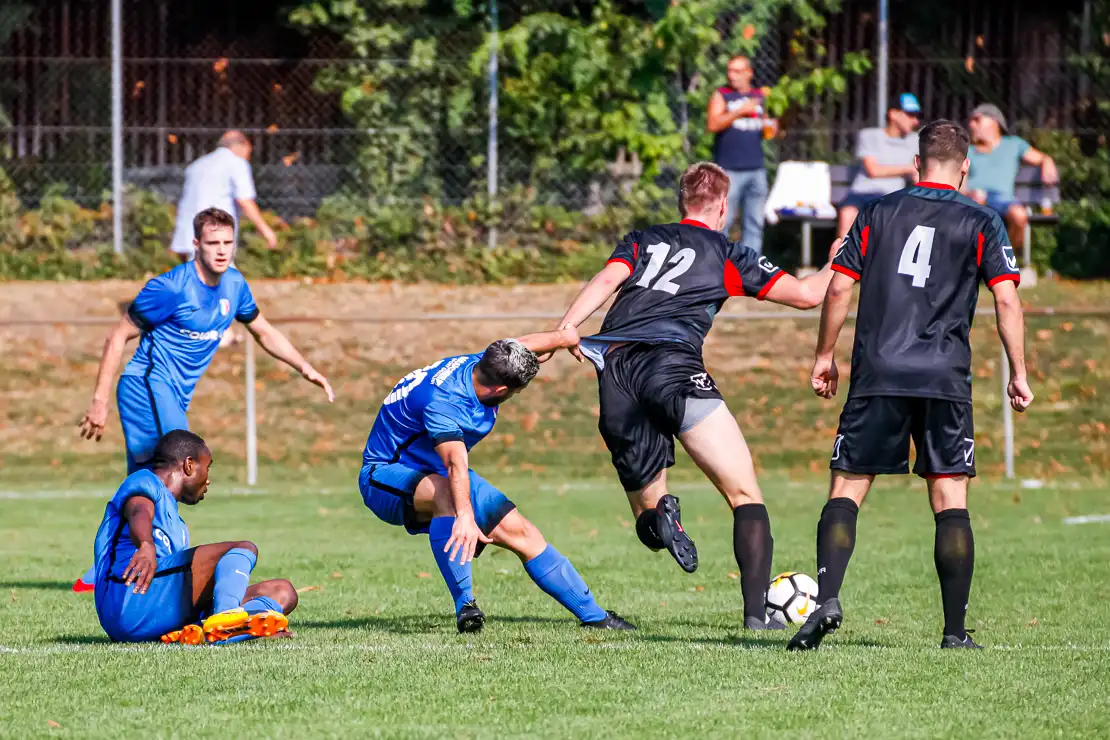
(747, 189)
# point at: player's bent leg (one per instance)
(553, 572)
(276, 594)
(659, 522)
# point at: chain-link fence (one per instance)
(408, 128)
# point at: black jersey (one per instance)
(681, 276)
(919, 255)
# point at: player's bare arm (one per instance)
(546, 342)
(92, 424)
(139, 512)
(807, 292)
(834, 311)
(465, 534)
(1011, 329)
(280, 348)
(595, 293)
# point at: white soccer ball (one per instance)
(791, 598)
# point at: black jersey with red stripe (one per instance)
(919, 255)
(681, 276)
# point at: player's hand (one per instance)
(92, 424)
(1021, 395)
(465, 536)
(573, 341)
(824, 377)
(312, 375)
(140, 571)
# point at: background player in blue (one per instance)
(180, 316)
(151, 584)
(416, 474)
(919, 256)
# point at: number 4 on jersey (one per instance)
(915, 255)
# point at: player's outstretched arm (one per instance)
(280, 348)
(139, 513)
(807, 292)
(465, 534)
(92, 424)
(1011, 329)
(834, 311)
(544, 343)
(595, 293)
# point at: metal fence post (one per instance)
(491, 146)
(884, 61)
(1007, 417)
(117, 126)
(252, 428)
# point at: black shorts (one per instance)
(875, 431)
(643, 391)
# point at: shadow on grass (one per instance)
(38, 585)
(414, 624)
(746, 641)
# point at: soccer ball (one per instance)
(791, 598)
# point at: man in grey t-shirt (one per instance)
(885, 159)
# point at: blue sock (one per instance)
(555, 575)
(233, 575)
(262, 604)
(457, 576)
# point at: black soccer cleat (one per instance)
(611, 622)
(757, 624)
(822, 622)
(674, 537)
(470, 618)
(951, 642)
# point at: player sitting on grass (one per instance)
(919, 255)
(416, 474)
(151, 584)
(652, 382)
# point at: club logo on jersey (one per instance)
(201, 336)
(161, 536)
(445, 373)
(767, 266)
(703, 382)
(1011, 258)
(836, 446)
(225, 307)
(969, 451)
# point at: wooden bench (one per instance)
(1028, 189)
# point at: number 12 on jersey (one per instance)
(915, 255)
(682, 262)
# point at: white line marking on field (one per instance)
(1088, 519)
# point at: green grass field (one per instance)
(376, 652)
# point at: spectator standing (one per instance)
(220, 179)
(736, 115)
(995, 160)
(885, 159)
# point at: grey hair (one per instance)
(509, 363)
(233, 138)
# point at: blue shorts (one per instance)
(387, 490)
(1000, 203)
(166, 606)
(147, 410)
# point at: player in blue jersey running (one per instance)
(181, 316)
(416, 474)
(150, 584)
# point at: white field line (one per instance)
(1088, 519)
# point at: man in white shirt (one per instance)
(221, 179)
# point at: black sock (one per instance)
(836, 538)
(954, 555)
(753, 545)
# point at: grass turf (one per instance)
(376, 652)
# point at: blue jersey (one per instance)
(182, 321)
(114, 548)
(427, 407)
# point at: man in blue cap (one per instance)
(885, 159)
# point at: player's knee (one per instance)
(248, 546)
(519, 535)
(287, 595)
(741, 495)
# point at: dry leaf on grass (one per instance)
(422, 574)
(306, 589)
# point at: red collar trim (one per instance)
(935, 185)
(692, 222)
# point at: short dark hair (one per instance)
(701, 185)
(509, 363)
(211, 217)
(943, 141)
(174, 447)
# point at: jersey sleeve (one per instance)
(995, 256)
(155, 303)
(247, 310)
(142, 485)
(849, 259)
(748, 273)
(441, 422)
(627, 251)
(242, 181)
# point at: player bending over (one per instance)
(918, 255)
(180, 316)
(672, 280)
(151, 584)
(415, 473)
